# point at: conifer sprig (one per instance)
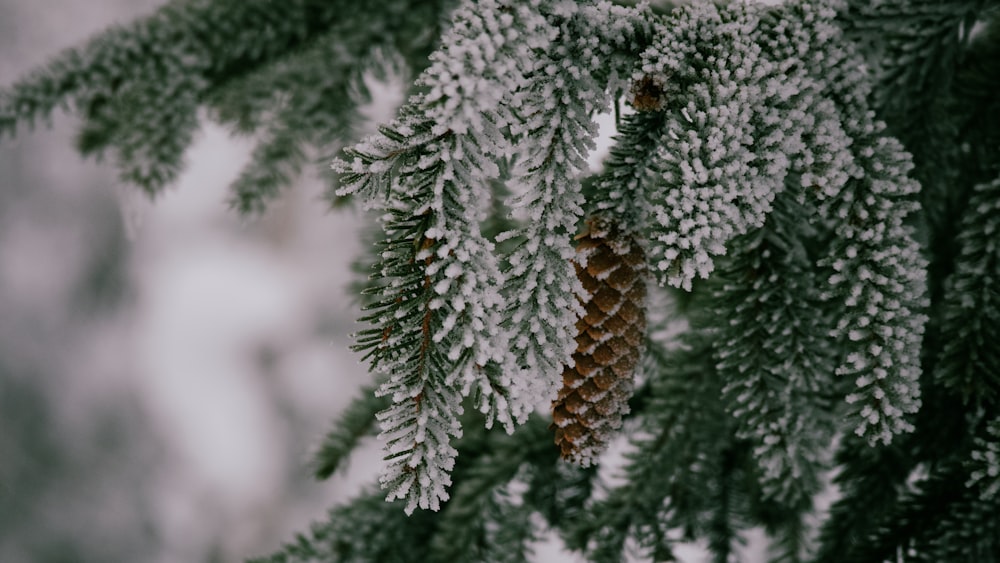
(554, 129)
(139, 88)
(877, 276)
(437, 328)
(622, 188)
(970, 358)
(769, 332)
(772, 346)
(717, 177)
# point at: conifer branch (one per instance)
(569, 83)
(771, 343)
(139, 87)
(622, 188)
(970, 359)
(755, 175)
(716, 176)
(437, 326)
(770, 338)
(877, 275)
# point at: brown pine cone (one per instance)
(610, 339)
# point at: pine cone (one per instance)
(609, 340)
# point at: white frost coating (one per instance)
(717, 172)
(753, 107)
(880, 278)
(757, 101)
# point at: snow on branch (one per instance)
(877, 276)
(717, 171)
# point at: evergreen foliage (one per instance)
(139, 87)
(815, 185)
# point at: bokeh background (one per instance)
(165, 368)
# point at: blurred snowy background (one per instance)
(160, 392)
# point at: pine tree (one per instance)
(810, 189)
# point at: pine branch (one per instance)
(489, 517)
(924, 54)
(139, 87)
(554, 132)
(714, 182)
(877, 275)
(771, 340)
(772, 348)
(274, 164)
(622, 188)
(969, 361)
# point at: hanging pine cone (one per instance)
(610, 337)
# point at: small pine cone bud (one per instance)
(648, 93)
(609, 342)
